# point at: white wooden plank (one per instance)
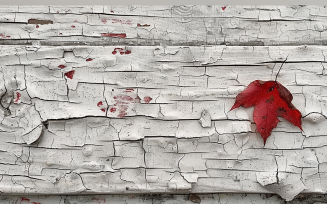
(136, 99)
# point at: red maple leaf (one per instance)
(270, 100)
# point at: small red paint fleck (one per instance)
(147, 99)
(89, 59)
(112, 11)
(104, 110)
(60, 33)
(3, 36)
(24, 199)
(17, 97)
(75, 21)
(117, 35)
(223, 8)
(137, 98)
(73, 26)
(144, 25)
(61, 66)
(121, 51)
(104, 21)
(99, 103)
(37, 26)
(129, 90)
(36, 203)
(113, 110)
(70, 74)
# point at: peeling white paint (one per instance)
(115, 117)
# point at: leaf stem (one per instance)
(280, 68)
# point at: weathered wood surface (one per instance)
(124, 118)
(164, 25)
(159, 199)
(155, 119)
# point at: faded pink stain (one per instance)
(70, 74)
(147, 99)
(24, 199)
(115, 35)
(99, 200)
(121, 51)
(61, 66)
(4, 36)
(104, 21)
(18, 95)
(122, 104)
(223, 8)
(75, 21)
(129, 90)
(128, 22)
(89, 59)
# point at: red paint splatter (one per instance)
(112, 11)
(121, 51)
(99, 103)
(18, 95)
(129, 90)
(144, 25)
(24, 199)
(116, 35)
(70, 74)
(104, 21)
(223, 8)
(113, 110)
(36, 203)
(61, 66)
(147, 99)
(60, 33)
(37, 26)
(89, 59)
(73, 26)
(137, 99)
(3, 36)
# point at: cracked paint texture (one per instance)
(61, 133)
(113, 117)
